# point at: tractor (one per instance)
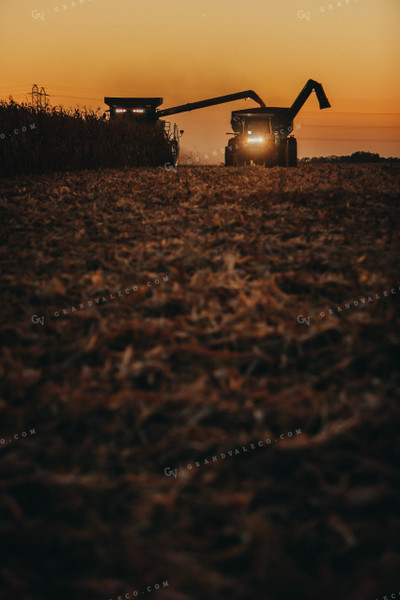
(263, 135)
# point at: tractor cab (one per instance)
(251, 126)
(261, 123)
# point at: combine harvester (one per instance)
(261, 134)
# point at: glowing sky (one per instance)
(188, 50)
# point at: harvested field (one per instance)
(125, 393)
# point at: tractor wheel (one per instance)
(281, 158)
(291, 152)
(238, 161)
(228, 157)
(269, 160)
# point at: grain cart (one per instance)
(262, 135)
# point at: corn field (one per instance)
(46, 139)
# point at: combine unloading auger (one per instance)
(211, 102)
(261, 134)
(145, 109)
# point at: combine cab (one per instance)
(144, 110)
(262, 135)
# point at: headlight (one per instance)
(255, 139)
(120, 110)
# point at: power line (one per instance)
(3, 87)
(355, 114)
(304, 139)
(78, 97)
(352, 126)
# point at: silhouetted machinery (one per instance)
(144, 110)
(261, 134)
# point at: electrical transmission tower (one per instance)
(37, 97)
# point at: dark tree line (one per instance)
(356, 157)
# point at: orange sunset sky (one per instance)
(188, 50)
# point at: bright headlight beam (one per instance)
(255, 139)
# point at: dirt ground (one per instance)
(200, 384)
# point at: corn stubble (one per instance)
(211, 360)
